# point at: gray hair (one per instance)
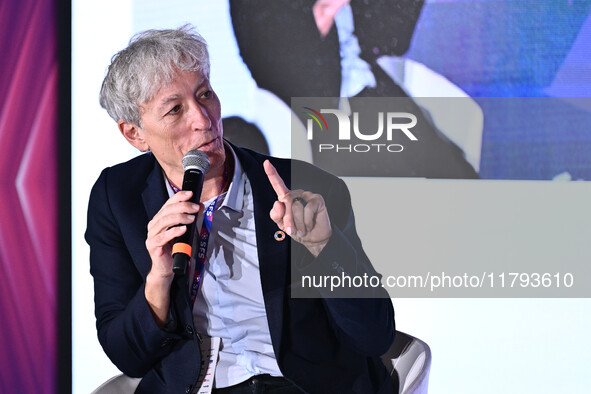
(150, 61)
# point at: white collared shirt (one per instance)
(230, 303)
(355, 72)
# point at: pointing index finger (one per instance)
(276, 181)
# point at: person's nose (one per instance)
(199, 116)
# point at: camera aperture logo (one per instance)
(349, 131)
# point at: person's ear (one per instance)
(133, 135)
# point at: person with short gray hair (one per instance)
(150, 60)
(231, 324)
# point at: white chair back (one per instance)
(409, 361)
(120, 384)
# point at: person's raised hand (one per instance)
(301, 214)
(170, 222)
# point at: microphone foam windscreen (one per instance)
(196, 159)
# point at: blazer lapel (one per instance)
(273, 255)
(154, 194)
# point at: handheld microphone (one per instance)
(195, 164)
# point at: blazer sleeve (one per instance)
(363, 317)
(126, 328)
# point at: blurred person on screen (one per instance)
(330, 48)
(150, 322)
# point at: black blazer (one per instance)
(323, 345)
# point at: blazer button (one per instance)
(188, 389)
(189, 330)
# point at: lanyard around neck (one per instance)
(203, 239)
(204, 234)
